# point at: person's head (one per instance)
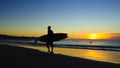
(49, 27)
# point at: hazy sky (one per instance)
(75, 17)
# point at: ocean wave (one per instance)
(110, 48)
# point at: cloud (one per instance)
(114, 35)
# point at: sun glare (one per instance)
(93, 36)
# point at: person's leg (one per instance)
(51, 47)
(47, 44)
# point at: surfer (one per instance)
(49, 42)
(90, 41)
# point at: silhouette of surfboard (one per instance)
(56, 37)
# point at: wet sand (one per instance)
(19, 57)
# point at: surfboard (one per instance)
(56, 37)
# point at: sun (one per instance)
(93, 36)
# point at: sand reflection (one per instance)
(98, 55)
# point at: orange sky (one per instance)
(97, 36)
(92, 35)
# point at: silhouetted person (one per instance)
(35, 41)
(49, 42)
(91, 41)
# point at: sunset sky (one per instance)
(78, 18)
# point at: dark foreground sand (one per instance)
(18, 57)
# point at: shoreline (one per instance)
(20, 57)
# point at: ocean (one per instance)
(112, 45)
(87, 42)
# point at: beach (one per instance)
(21, 57)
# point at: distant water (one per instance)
(113, 45)
(87, 42)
